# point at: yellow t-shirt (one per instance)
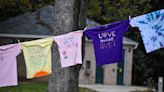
(37, 56)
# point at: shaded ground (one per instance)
(107, 88)
(33, 87)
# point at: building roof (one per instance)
(38, 24)
(29, 23)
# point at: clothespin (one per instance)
(85, 29)
(106, 25)
(18, 41)
(129, 18)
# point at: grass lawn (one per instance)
(33, 87)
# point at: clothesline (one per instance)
(23, 36)
(107, 45)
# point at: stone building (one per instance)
(39, 24)
(111, 74)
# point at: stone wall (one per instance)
(87, 76)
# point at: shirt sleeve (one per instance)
(122, 26)
(126, 26)
(88, 34)
(56, 39)
(133, 22)
(18, 49)
(139, 22)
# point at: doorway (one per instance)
(99, 75)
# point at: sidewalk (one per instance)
(109, 88)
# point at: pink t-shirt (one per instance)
(8, 65)
(69, 46)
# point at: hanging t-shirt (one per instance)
(69, 46)
(37, 56)
(108, 41)
(151, 26)
(8, 64)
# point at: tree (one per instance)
(11, 8)
(67, 19)
(69, 16)
(105, 11)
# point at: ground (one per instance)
(109, 88)
(33, 87)
(42, 87)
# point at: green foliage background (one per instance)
(146, 67)
(11, 8)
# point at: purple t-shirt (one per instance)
(108, 41)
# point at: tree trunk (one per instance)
(67, 19)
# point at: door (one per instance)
(99, 75)
(120, 70)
